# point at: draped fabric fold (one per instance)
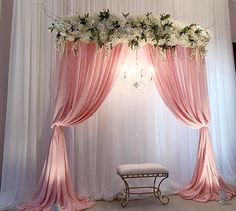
(180, 78)
(55, 185)
(205, 176)
(85, 81)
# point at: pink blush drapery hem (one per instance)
(206, 182)
(182, 83)
(55, 185)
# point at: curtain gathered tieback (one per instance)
(181, 80)
(85, 81)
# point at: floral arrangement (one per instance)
(106, 30)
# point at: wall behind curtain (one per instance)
(133, 125)
(5, 31)
(232, 12)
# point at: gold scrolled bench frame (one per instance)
(155, 190)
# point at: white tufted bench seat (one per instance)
(132, 171)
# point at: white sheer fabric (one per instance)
(132, 126)
(29, 105)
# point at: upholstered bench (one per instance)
(133, 171)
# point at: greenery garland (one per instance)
(106, 30)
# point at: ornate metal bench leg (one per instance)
(157, 192)
(125, 196)
(125, 199)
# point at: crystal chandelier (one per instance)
(136, 73)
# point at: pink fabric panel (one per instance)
(182, 84)
(205, 176)
(85, 81)
(55, 184)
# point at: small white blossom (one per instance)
(107, 29)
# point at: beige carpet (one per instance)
(175, 204)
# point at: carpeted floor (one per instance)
(175, 204)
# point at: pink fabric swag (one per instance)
(85, 81)
(181, 81)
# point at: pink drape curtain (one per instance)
(181, 81)
(85, 81)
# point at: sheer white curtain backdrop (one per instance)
(133, 125)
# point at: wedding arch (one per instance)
(91, 50)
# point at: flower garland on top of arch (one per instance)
(107, 29)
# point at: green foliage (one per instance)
(106, 29)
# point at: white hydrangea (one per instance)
(173, 40)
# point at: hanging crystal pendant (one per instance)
(136, 74)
